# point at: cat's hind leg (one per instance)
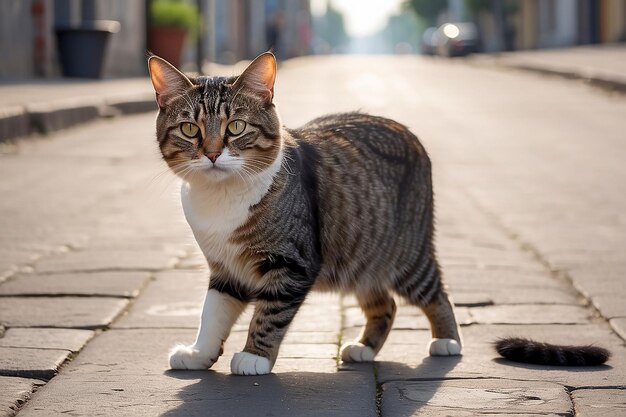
(446, 340)
(380, 310)
(426, 291)
(219, 313)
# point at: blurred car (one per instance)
(457, 39)
(429, 41)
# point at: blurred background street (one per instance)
(520, 104)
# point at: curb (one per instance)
(609, 82)
(44, 118)
(597, 80)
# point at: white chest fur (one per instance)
(214, 210)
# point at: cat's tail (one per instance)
(528, 351)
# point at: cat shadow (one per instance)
(288, 393)
(573, 369)
(350, 391)
(394, 378)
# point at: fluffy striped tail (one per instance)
(528, 351)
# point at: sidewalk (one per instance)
(600, 65)
(45, 106)
(99, 275)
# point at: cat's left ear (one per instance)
(259, 77)
(167, 81)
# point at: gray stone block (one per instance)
(473, 397)
(46, 338)
(31, 363)
(106, 260)
(136, 382)
(116, 284)
(471, 299)
(133, 105)
(14, 123)
(50, 117)
(76, 312)
(530, 314)
(14, 393)
(599, 402)
(172, 299)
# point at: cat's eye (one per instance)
(189, 129)
(236, 127)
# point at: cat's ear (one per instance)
(259, 77)
(167, 81)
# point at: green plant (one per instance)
(174, 13)
(428, 10)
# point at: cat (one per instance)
(344, 203)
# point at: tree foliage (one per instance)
(478, 5)
(428, 10)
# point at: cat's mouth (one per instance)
(216, 172)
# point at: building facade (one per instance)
(531, 24)
(28, 41)
(230, 31)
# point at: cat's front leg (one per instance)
(219, 313)
(267, 329)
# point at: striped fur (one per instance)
(343, 203)
(528, 351)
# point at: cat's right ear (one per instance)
(167, 81)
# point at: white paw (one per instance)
(357, 352)
(186, 357)
(444, 347)
(245, 363)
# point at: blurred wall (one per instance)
(126, 55)
(558, 23)
(28, 43)
(561, 23)
(26, 47)
(613, 15)
(235, 30)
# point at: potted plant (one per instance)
(170, 22)
(82, 47)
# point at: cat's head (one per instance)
(217, 128)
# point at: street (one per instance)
(97, 264)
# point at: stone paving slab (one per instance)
(31, 363)
(124, 373)
(14, 392)
(405, 356)
(472, 299)
(513, 295)
(42, 338)
(75, 312)
(84, 261)
(473, 397)
(530, 314)
(599, 402)
(172, 299)
(198, 393)
(110, 284)
(463, 279)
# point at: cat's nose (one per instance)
(213, 156)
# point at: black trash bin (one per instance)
(82, 47)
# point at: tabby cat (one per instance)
(343, 203)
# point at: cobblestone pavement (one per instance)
(95, 258)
